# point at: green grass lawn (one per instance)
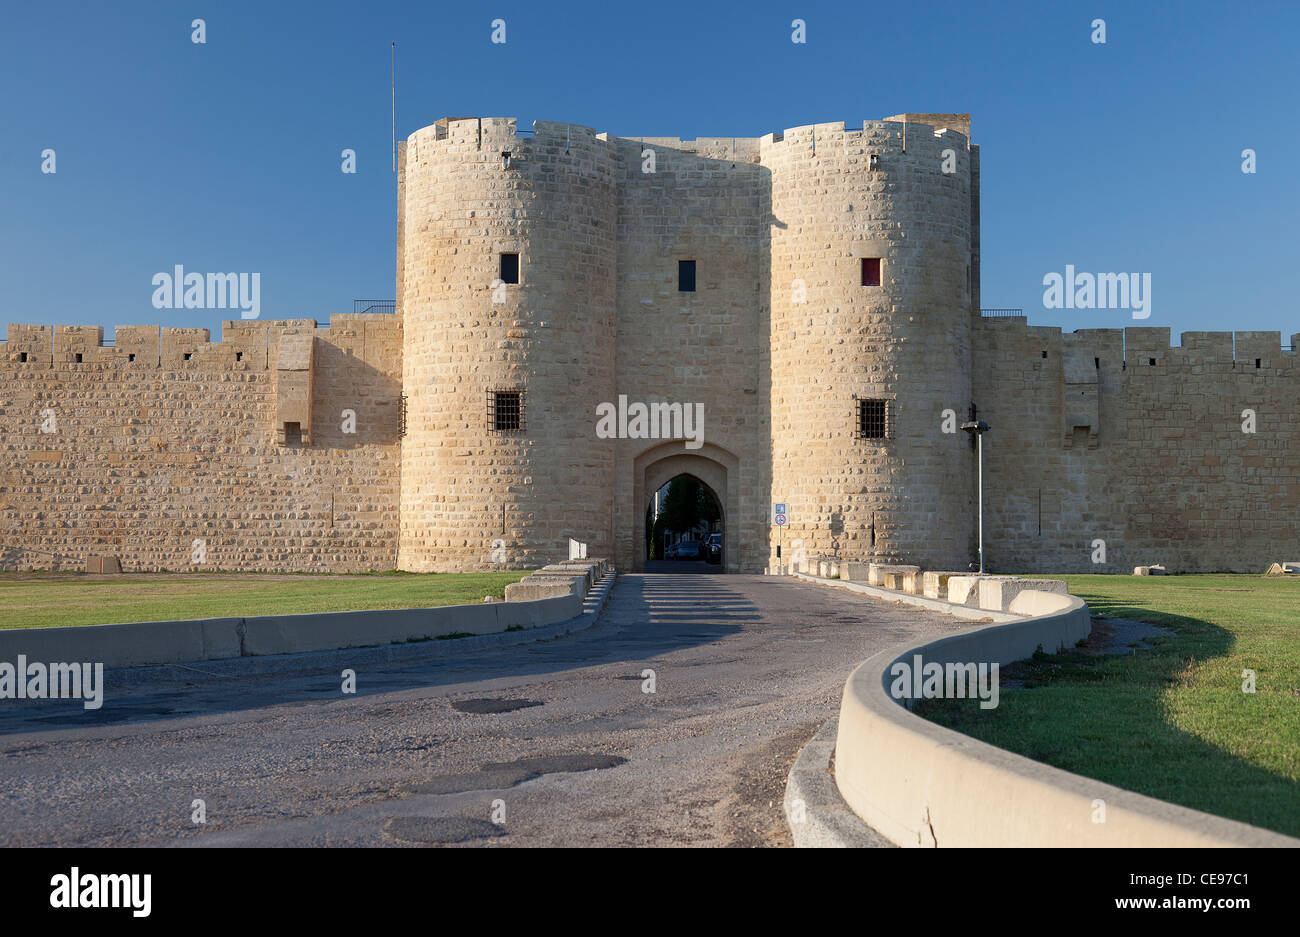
(44, 600)
(1172, 721)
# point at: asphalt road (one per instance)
(557, 739)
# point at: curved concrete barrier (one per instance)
(815, 812)
(920, 784)
(907, 598)
(166, 642)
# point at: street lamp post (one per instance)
(978, 428)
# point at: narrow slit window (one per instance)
(870, 271)
(686, 276)
(509, 268)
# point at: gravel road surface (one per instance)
(559, 739)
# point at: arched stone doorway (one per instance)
(686, 492)
(711, 465)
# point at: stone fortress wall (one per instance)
(166, 438)
(468, 492)
(1113, 435)
(705, 201)
(597, 316)
(906, 341)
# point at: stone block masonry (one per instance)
(814, 292)
(167, 451)
(1111, 449)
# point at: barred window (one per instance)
(505, 410)
(873, 419)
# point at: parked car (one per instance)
(713, 548)
(688, 550)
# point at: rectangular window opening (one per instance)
(509, 268)
(505, 410)
(1096, 363)
(293, 434)
(239, 356)
(1151, 361)
(130, 357)
(873, 420)
(78, 357)
(187, 356)
(686, 276)
(22, 356)
(870, 271)
(1257, 361)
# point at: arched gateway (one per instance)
(712, 465)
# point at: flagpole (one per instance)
(394, 107)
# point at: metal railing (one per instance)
(1001, 313)
(374, 305)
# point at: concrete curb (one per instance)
(920, 784)
(907, 598)
(333, 660)
(817, 815)
(270, 644)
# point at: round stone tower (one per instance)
(507, 293)
(870, 342)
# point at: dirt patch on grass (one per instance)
(1121, 636)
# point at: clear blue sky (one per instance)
(225, 156)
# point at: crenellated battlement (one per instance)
(890, 136)
(1139, 345)
(494, 135)
(245, 345)
(893, 137)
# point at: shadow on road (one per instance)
(682, 566)
(647, 615)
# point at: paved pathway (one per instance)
(746, 669)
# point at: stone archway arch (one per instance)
(711, 465)
(717, 497)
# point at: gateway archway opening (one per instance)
(684, 528)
